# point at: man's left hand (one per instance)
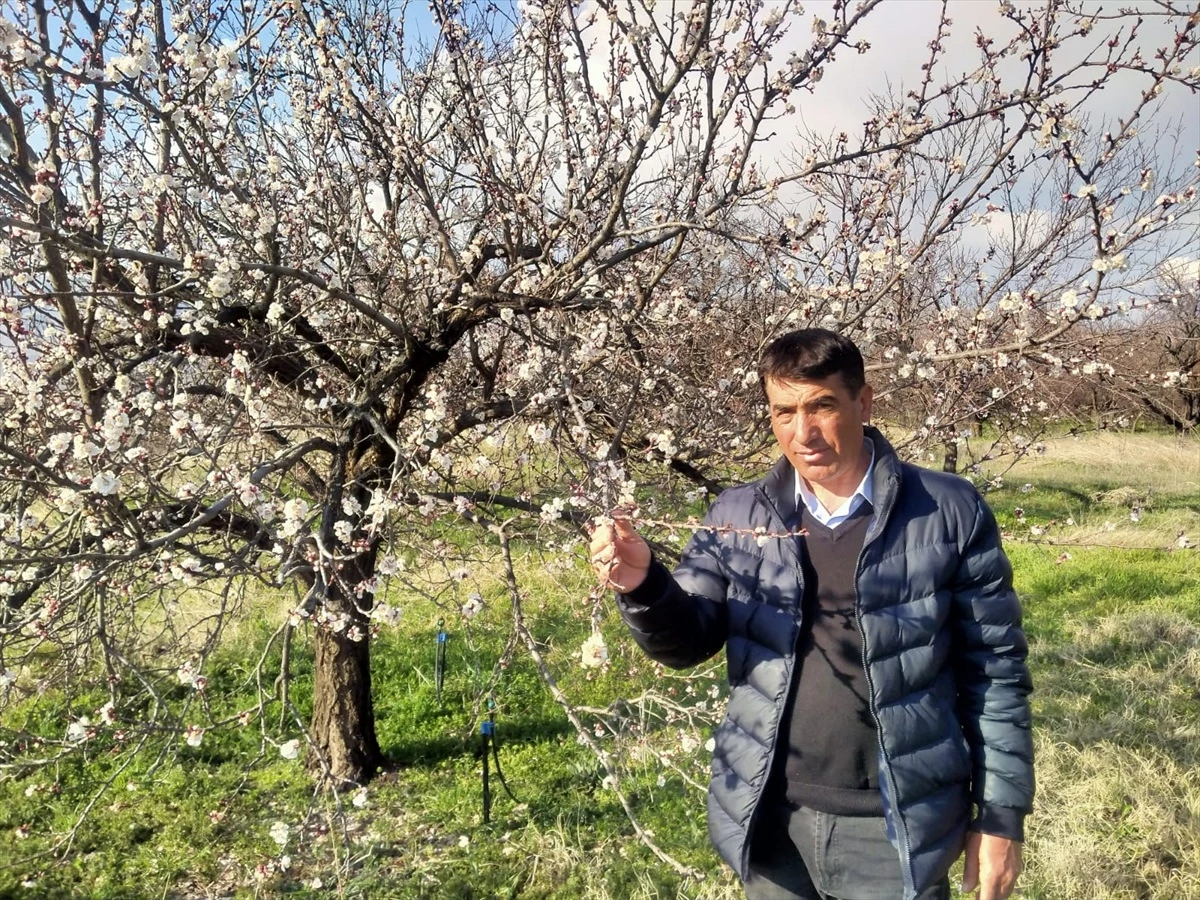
(992, 865)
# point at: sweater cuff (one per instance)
(652, 589)
(1001, 821)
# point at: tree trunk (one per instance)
(950, 458)
(343, 722)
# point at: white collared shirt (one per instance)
(864, 493)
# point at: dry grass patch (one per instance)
(1113, 823)
(1121, 490)
(1155, 462)
(1118, 810)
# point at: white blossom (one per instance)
(248, 493)
(186, 674)
(279, 833)
(473, 606)
(84, 449)
(594, 652)
(294, 512)
(106, 484)
(553, 510)
(390, 565)
(664, 442)
(78, 730)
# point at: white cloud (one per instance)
(1183, 269)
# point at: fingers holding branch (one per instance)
(619, 555)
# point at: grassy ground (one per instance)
(1115, 650)
(1112, 606)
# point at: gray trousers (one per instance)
(802, 854)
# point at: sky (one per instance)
(899, 33)
(900, 30)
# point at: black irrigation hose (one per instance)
(439, 659)
(487, 732)
(487, 728)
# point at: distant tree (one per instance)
(1152, 367)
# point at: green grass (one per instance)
(1115, 650)
(203, 817)
(1114, 629)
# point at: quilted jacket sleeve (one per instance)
(993, 681)
(681, 619)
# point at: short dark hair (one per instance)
(813, 354)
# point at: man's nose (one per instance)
(801, 428)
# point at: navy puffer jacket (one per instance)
(942, 643)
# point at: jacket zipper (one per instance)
(774, 513)
(889, 777)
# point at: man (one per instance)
(878, 722)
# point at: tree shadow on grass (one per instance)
(1116, 707)
(1050, 500)
(1055, 500)
(1053, 598)
(428, 750)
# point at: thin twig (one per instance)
(584, 734)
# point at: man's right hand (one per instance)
(619, 555)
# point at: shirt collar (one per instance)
(864, 492)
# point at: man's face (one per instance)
(819, 426)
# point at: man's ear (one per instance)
(866, 397)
